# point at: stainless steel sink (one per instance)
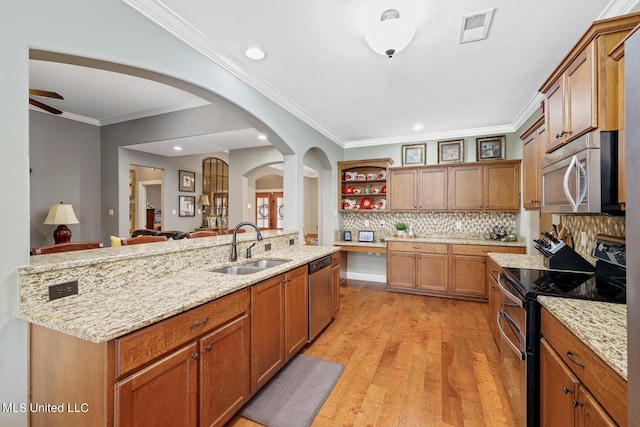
(266, 263)
(251, 267)
(239, 269)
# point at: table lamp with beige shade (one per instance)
(61, 214)
(204, 202)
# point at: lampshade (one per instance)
(61, 214)
(391, 34)
(204, 200)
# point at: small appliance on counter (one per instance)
(559, 256)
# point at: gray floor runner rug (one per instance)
(295, 395)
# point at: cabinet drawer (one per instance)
(432, 248)
(483, 250)
(140, 347)
(604, 384)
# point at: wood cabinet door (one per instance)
(401, 270)
(163, 394)
(531, 174)
(432, 272)
(466, 187)
(433, 189)
(267, 330)
(590, 412)
(335, 290)
(296, 309)
(580, 92)
(224, 367)
(501, 190)
(467, 275)
(558, 388)
(554, 115)
(402, 189)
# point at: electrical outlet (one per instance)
(61, 290)
(458, 225)
(366, 223)
(291, 241)
(267, 246)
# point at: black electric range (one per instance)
(591, 286)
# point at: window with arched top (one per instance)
(215, 184)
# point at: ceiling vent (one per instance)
(475, 26)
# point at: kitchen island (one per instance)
(154, 333)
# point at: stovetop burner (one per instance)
(531, 282)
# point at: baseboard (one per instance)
(381, 278)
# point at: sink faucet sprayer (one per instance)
(234, 252)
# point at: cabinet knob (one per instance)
(577, 403)
(194, 355)
(567, 390)
(207, 347)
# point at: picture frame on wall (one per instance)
(491, 148)
(187, 181)
(414, 154)
(451, 151)
(187, 205)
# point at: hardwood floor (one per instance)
(410, 360)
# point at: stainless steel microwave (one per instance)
(582, 176)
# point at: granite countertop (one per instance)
(535, 262)
(434, 239)
(100, 316)
(601, 326)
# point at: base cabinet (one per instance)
(279, 323)
(197, 368)
(576, 387)
(164, 394)
(494, 297)
(224, 363)
(440, 269)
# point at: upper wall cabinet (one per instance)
(534, 142)
(363, 185)
(413, 189)
(581, 94)
(478, 186)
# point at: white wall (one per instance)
(113, 32)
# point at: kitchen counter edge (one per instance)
(101, 316)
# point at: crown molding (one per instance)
(166, 18)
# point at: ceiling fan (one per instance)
(45, 94)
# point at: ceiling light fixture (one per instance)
(391, 34)
(255, 53)
(418, 126)
(262, 137)
(177, 148)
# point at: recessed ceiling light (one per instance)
(177, 148)
(263, 137)
(418, 126)
(255, 53)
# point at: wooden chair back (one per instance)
(143, 239)
(65, 247)
(195, 234)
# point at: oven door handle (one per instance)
(508, 294)
(501, 314)
(565, 183)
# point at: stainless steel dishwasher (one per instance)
(320, 311)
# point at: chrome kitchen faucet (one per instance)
(234, 251)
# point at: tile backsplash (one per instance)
(591, 225)
(433, 224)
